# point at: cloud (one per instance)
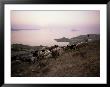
(23, 29)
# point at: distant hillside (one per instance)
(83, 38)
(80, 38)
(88, 36)
(64, 39)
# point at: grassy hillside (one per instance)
(84, 62)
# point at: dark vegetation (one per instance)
(80, 61)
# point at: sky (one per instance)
(42, 27)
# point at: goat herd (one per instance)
(48, 52)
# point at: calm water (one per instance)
(36, 38)
(46, 36)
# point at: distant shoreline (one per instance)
(65, 41)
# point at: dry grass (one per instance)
(84, 62)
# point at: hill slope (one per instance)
(84, 62)
(80, 38)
